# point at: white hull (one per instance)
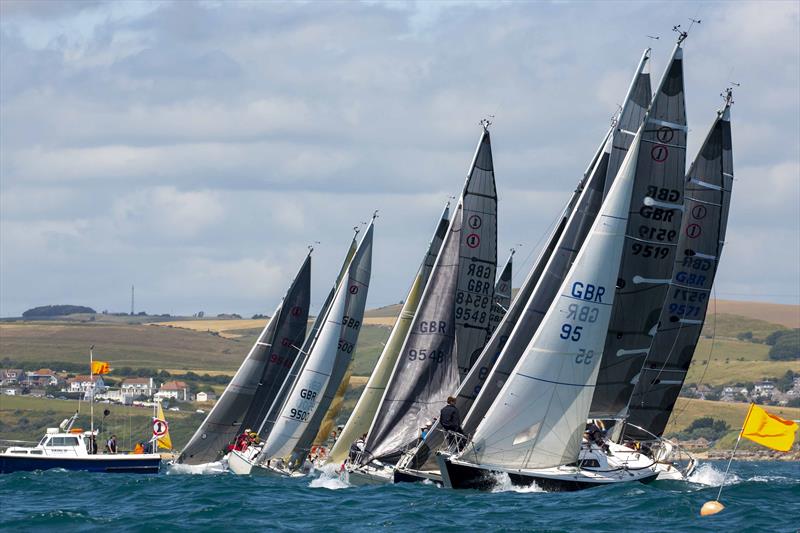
(620, 465)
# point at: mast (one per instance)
(538, 417)
(256, 383)
(650, 244)
(91, 383)
(452, 320)
(327, 362)
(367, 405)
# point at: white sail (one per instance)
(539, 416)
(302, 402)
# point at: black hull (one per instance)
(28, 463)
(460, 476)
(405, 476)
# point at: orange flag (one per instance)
(769, 430)
(100, 367)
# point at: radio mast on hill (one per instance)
(131, 300)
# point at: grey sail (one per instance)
(358, 278)
(274, 410)
(502, 295)
(452, 320)
(522, 320)
(650, 244)
(361, 418)
(245, 400)
(517, 327)
(633, 110)
(707, 199)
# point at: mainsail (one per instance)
(367, 405)
(452, 321)
(650, 244)
(706, 202)
(538, 418)
(328, 360)
(358, 280)
(244, 402)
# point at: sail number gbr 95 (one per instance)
(579, 315)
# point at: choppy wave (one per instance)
(757, 497)
(708, 475)
(502, 483)
(330, 477)
(215, 468)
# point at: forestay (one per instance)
(502, 295)
(650, 244)
(367, 405)
(706, 203)
(539, 416)
(243, 403)
(306, 396)
(452, 321)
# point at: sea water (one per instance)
(759, 496)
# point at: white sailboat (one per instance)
(532, 432)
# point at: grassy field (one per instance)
(123, 345)
(26, 418)
(785, 315)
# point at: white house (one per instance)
(764, 389)
(43, 377)
(11, 376)
(176, 390)
(205, 396)
(84, 384)
(134, 387)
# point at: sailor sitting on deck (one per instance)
(357, 447)
(595, 435)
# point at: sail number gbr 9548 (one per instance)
(582, 314)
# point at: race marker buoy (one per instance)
(711, 508)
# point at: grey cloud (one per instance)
(197, 148)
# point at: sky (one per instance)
(195, 149)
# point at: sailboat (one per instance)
(706, 204)
(533, 430)
(651, 243)
(502, 294)
(449, 329)
(296, 422)
(360, 419)
(480, 388)
(258, 380)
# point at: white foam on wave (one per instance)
(205, 469)
(331, 477)
(707, 475)
(502, 483)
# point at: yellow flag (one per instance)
(161, 429)
(100, 367)
(768, 430)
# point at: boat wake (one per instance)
(707, 475)
(502, 483)
(331, 477)
(206, 469)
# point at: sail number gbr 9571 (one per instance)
(580, 315)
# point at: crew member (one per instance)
(450, 418)
(111, 444)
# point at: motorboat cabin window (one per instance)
(590, 463)
(63, 441)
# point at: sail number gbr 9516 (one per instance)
(579, 315)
